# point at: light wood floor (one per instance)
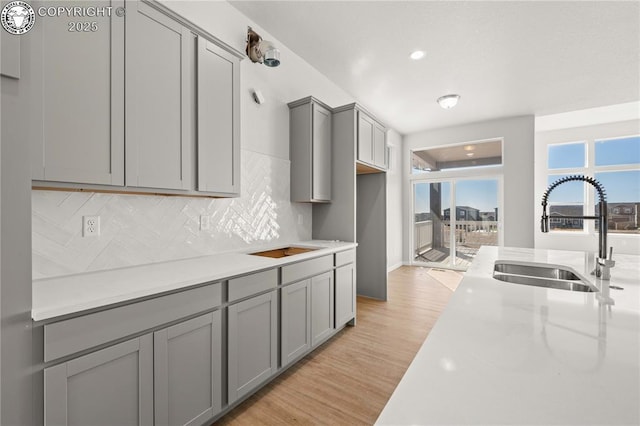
(349, 379)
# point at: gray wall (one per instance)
(518, 168)
(395, 211)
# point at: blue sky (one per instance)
(621, 186)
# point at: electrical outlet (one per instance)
(205, 222)
(90, 226)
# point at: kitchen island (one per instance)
(505, 353)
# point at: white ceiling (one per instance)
(503, 58)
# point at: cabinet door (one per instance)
(187, 367)
(78, 99)
(345, 294)
(379, 146)
(159, 95)
(218, 119)
(321, 307)
(365, 138)
(252, 343)
(113, 386)
(295, 321)
(321, 153)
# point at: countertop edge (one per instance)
(69, 286)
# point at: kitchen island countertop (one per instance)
(505, 353)
(72, 294)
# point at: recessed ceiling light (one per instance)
(469, 147)
(418, 54)
(448, 101)
(470, 154)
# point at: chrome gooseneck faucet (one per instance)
(603, 265)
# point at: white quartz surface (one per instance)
(505, 353)
(53, 297)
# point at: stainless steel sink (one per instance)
(540, 275)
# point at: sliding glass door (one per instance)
(452, 218)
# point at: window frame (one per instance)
(589, 136)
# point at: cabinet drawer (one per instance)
(252, 284)
(80, 333)
(308, 268)
(345, 257)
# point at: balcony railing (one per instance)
(468, 233)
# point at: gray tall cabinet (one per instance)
(356, 173)
(147, 103)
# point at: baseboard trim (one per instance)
(394, 267)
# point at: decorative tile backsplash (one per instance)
(139, 229)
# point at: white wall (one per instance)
(142, 229)
(394, 201)
(603, 122)
(518, 196)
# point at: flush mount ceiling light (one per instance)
(418, 54)
(448, 101)
(261, 51)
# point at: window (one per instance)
(615, 163)
(460, 156)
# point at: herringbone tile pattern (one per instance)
(139, 229)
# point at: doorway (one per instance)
(453, 218)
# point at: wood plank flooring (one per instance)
(349, 379)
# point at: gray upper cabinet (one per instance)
(113, 386)
(252, 350)
(371, 144)
(187, 364)
(366, 127)
(77, 100)
(218, 119)
(10, 51)
(310, 134)
(159, 101)
(379, 146)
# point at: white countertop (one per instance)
(53, 297)
(505, 353)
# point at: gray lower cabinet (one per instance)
(345, 294)
(159, 100)
(113, 386)
(76, 82)
(295, 323)
(187, 366)
(218, 119)
(252, 350)
(322, 305)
